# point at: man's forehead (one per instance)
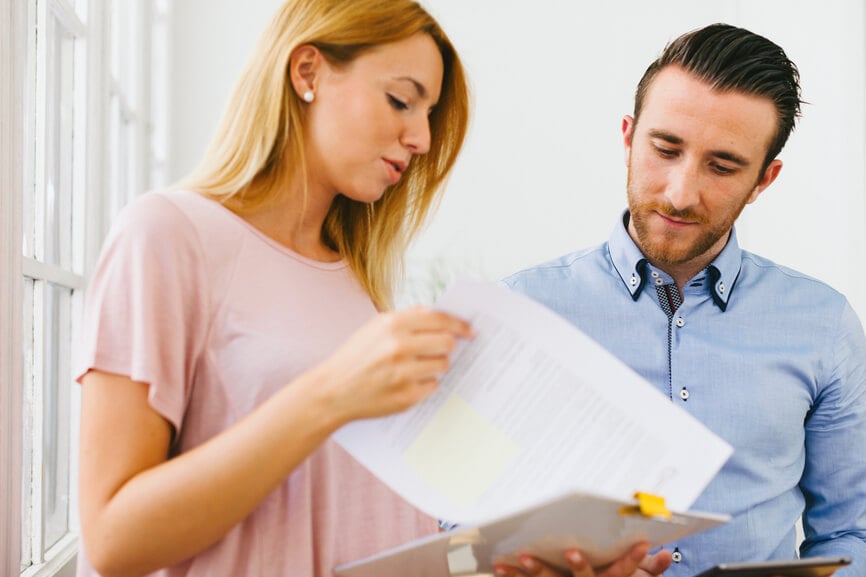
(679, 105)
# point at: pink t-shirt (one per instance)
(216, 317)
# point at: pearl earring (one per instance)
(308, 96)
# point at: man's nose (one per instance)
(683, 188)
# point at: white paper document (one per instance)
(532, 409)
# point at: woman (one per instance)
(233, 324)
(216, 354)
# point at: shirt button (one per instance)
(722, 287)
(655, 274)
(684, 394)
(676, 556)
(660, 281)
(681, 322)
(633, 281)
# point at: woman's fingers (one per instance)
(430, 344)
(392, 362)
(424, 319)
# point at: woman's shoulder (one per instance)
(182, 219)
(173, 233)
(163, 208)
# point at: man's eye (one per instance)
(397, 103)
(666, 152)
(723, 170)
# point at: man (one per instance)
(767, 358)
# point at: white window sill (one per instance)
(60, 560)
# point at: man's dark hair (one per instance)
(734, 59)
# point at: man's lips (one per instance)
(674, 221)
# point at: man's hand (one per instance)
(634, 563)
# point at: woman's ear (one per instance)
(304, 69)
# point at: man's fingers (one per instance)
(628, 563)
(578, 564)
(658, 563)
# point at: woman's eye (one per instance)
(397, 103)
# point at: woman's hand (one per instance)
(391, 363)
(129, 487)
(634, 563)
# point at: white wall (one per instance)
(542, 172)
(210, 40)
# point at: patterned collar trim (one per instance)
(634, 269)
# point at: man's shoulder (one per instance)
(549, 275)
(789, 280)
(793, 293)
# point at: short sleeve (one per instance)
(145, 307)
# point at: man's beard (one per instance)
(668, 249)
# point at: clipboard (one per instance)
(805, 567)
(601, 527)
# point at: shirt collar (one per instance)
(633, 267)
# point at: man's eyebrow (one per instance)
(731, 157)
(720, 154)
(666, 136)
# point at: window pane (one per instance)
(132, 161)
(56, 393)
(80, 7)
(27, 417)
(119, 130)
(58, 161)
(28, 219)
(118, 37)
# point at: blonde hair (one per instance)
(260, 139)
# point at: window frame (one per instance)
(54, 139)
(23, 149)
(12, 58)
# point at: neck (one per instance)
(681, 273)
(683, 270)
(292, 217)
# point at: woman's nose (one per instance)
(416, 136)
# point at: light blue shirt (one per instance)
(769, 359)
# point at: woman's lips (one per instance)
(395, 169)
